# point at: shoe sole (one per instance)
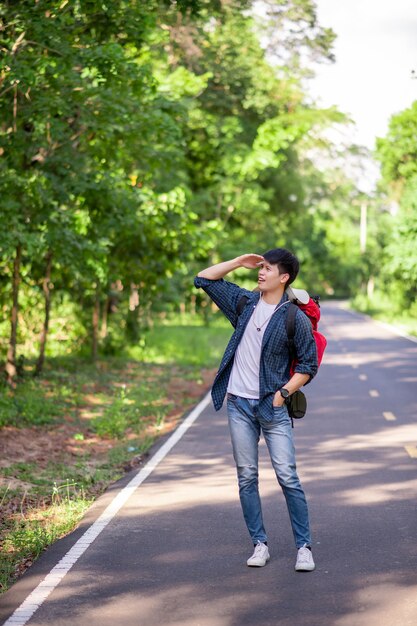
(258, 564)
(305, 569)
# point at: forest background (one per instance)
(139, 142)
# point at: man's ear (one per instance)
(283, 278)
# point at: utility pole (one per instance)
(363, 227)
(362, 243)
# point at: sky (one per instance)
(376, 51)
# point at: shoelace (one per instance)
(258, 548)
(304, 555)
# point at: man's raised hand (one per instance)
(250, 261)
(218, 271)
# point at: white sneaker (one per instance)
(260, 556)
(305, 562)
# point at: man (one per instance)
(255, 374)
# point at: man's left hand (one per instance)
(278, 399)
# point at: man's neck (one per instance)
(272, 297)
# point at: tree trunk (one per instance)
(104, 318)
(96, 319)
(193, 305)
(11, 352)
(370, 287)
(47, 296)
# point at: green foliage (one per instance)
(402, 254)
(398, 150)
(26, 537)
(28, 406)
(389, 307)
(139, 141)
(126, 411)
(398, 155)
(187, 344)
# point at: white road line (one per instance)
(393, 329)
(374, 393)
(390, 417)
(396, 331)
(363, 377)
(35, 599)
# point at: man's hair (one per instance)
(286, 261)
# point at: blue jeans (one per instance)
(245, 427)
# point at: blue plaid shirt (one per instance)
(274, 370)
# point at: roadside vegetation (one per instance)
(387, 309)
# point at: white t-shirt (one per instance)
(244, 377)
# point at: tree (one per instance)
(397, 153)
(71, 78)
(245, 131)
(137, 138)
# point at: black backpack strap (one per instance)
(241, 304)
(290, 326)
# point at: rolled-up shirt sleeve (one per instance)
(223, 293)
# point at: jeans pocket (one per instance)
(281, 408)
(281, 413)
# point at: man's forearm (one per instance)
(215, 272)
(296, 381)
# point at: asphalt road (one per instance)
(175, 552)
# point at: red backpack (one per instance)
(312, 310)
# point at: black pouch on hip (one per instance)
(297, 405)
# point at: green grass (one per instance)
(43, 401)
(28, 404)
(195, 345)
(128, 409)
(28, 534)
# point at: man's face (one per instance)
(269, 278)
